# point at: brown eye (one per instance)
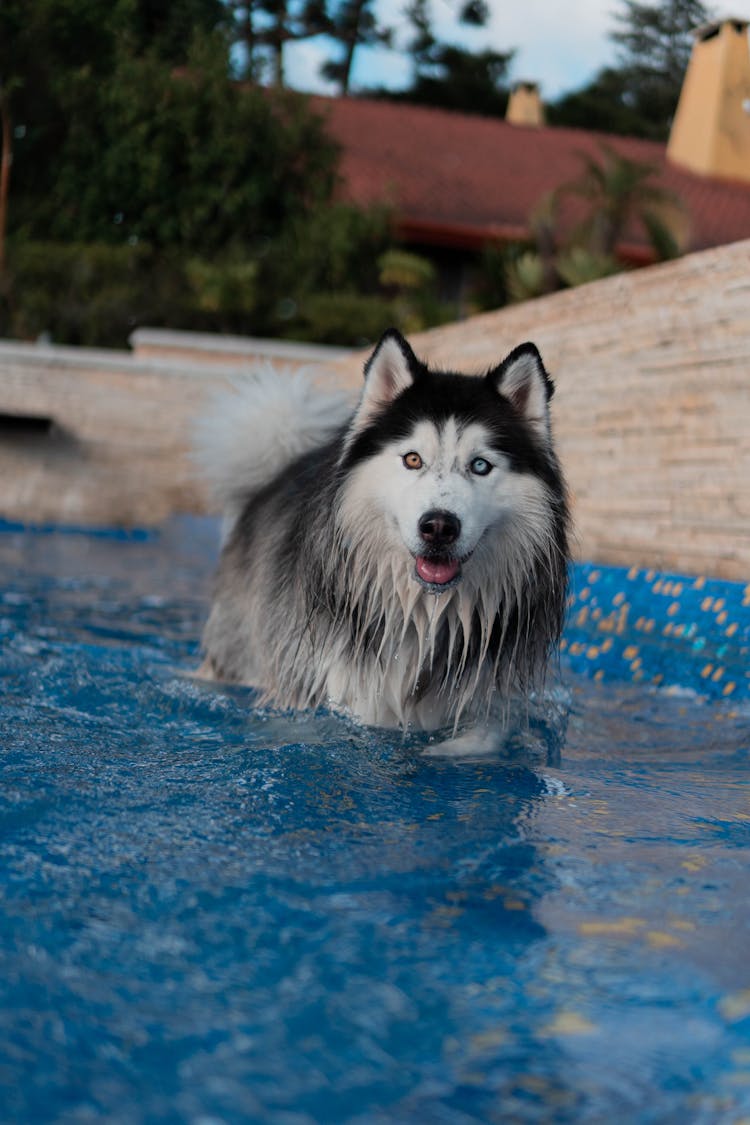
(412, 460)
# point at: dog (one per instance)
(403, 559)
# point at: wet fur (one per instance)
(316, 600)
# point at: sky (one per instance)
(559, 45)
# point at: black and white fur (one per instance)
(406, 562)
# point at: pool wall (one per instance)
(663, 630)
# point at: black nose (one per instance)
(438, 528)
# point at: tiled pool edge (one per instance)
(662, 630)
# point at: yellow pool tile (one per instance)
(660, 939)
(735, 1006)
(570, 1023)
(616, 927)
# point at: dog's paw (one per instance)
(477, 742)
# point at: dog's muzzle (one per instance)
(438, 569)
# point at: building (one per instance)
(457, 182)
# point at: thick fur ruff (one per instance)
(333, 590)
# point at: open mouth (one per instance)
(437, 574)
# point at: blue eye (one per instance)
(480, 466)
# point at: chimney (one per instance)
(525, 105)
(711, 128)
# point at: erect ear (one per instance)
(391, 368)
(523, 380)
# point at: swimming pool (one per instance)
(212, 913)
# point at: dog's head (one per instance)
(439, 465)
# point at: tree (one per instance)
(451, 76)
(190, 159)
(654, 43)
(265, 27)
(6, 158)
(353, 24)
(605, 105)
(464, 81)
(639, 95)
(169, 28)
(39, 42)
(617, 195)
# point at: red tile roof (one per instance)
(462, 180)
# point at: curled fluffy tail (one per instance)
(257, 426)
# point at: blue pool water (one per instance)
(210, 913)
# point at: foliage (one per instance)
(577, 265)
(265, 27)
(223, 287)
(191, 160)
(617, 195)
(332, 249)
(464, 81)
(344, 318)
(604, 105)
(150, 186)
(169, 29)
(451, 76)
(92, 295)
(525, 276)
(354, 24)
(405, 272)
(640, 94)
(412, 281)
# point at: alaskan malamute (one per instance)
(405, 560)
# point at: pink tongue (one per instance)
(438, 571)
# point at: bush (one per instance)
(95, 295)
(344, 318)
(77, 294)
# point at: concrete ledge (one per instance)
(202, 347)
(102, 437)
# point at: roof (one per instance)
(462, 180)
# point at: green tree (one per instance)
(187, 159)
(620, 195)
(353, 24)
(654, 42)
(639, 95)
(34, 39)
(265, 27)
(169, 28)
(605, 105)
(452, 76)
(617, 197)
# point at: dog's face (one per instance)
(443, 465)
